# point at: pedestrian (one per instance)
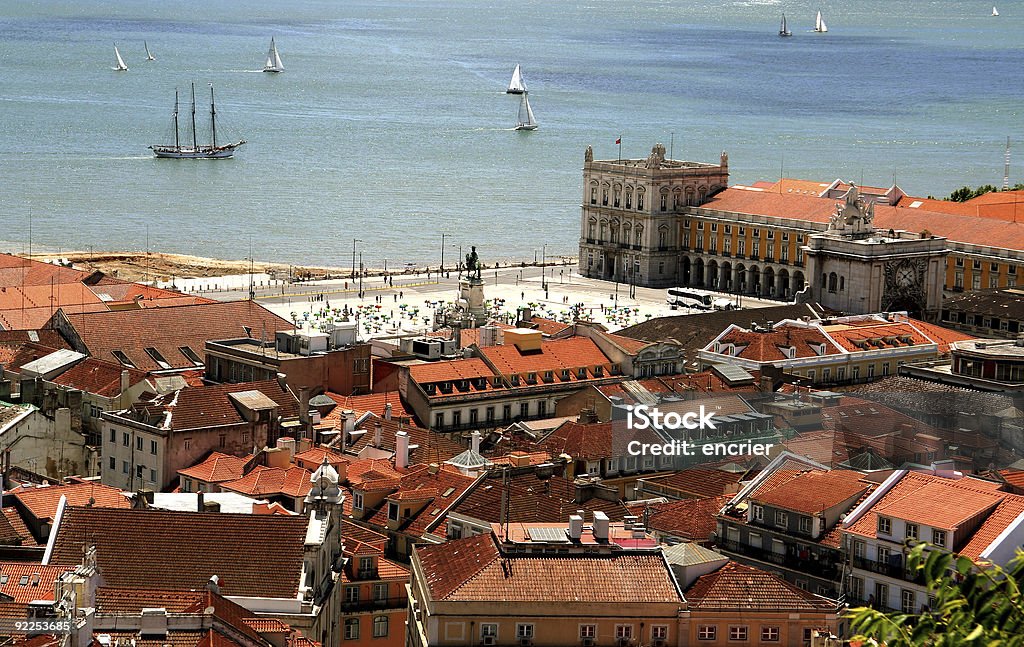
(396, 298)
(522, 296)
(401, 295)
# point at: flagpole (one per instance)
(619, 142)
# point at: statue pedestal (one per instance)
(471, 299)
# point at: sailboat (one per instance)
(783, 30)
(149, 54)
(273, 63)
(526, 120)
(196, 150)
(819, 24)
(516, 85)
(995, 12)
(119, 65)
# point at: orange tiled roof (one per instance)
(737, 587)
(314, 457)
(271, 481)
(766, 346)
(964, 228)
(531, 500)
(373, 473)
(1011, 507)
(815, 491)
(18, 530)
(255, 555)
(931, 507)
(372, 402)
(42, 501)
(472, 569)
(876, 335)
(628, 344)
(169, 329)
(93, 375)
(447, 481)
(460, 369)
(216, 468)
(999, 205)
(210, 406)
(698, 482)
(554, 355)
(25, 582)
(692, 519)
(547, 326)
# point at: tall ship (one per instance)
(195, 150)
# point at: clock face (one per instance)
(905, 276)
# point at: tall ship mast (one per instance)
(196, 150)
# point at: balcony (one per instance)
(894, 570)
(820, 568)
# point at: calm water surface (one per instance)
(390, 123)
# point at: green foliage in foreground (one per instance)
(965, 193)
(974, 605)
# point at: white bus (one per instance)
(699, 299)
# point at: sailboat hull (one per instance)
(526, 127)
(513, 91)
(272, 69)
(202, 152)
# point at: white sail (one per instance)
(119, 66)
(273, 63)
(819, 24)
(783, 31)
(516, 85)
(149, 55)
(995, 12)
(526, 119)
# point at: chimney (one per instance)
(433, 468)
(304, 406)
(401, 450)
(600, 526)
(387, 411)
(125, 381)
(211, 506)
(628, 521)
(378, 429)
(153, 623)
(213, 586)
(575, 527)
(348, 417)
(199, 502)
(476, 441)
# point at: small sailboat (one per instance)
(819, 24)
(119, 64)
(273, 63)
(783, 30)
(149, 54)
(526, 120)
(995, 12)
(516, 85)
(196, 150)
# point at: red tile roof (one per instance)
(97, 376)
(766, 346)
(372, 402)
(169, 329)
(554, 355)
(448, 482)
(473, 569)
(1008, 511)
(974, 229)
(740, 588)
(698, 482)
(628, 344)
(444, 371)
(26, 582)
(691, 519)
(42, 501)
(272, 481)
(815, 491)
(18, 529)
(216, 468)
(314, 457)
(210, 406)
(931, 507)
(547, 326)
(531, 500)
(254, 555)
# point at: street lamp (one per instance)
(544, 267)
(354, 241)
(443, 235)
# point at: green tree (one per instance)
(975, 604)
(965, 193)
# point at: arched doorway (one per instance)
(768, 282)
(685, 270)
(798, 281)
(741, 278)
(783, 288)
(724, 282)
(754, 279)
(699, 272)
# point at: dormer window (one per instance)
(531, 378)
(366, 567)
(392, 511)
(565, 374)
(121, 357)
(581, 373)
(496, 382)
(431, 389)
(515, 380)
(549, 376)
(598, 371)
